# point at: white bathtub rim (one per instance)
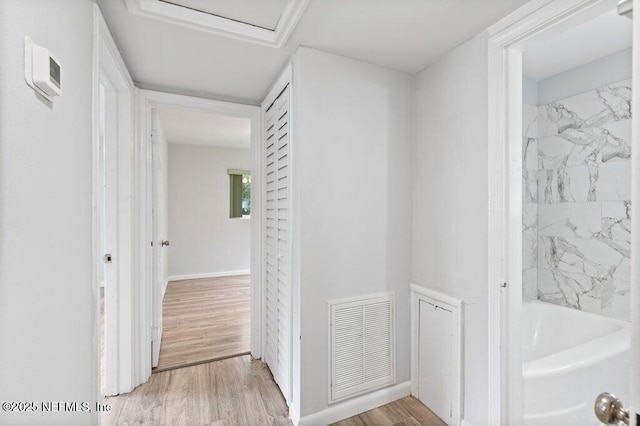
(556, 413)
(550, 305)
(579, 356)
(583, 354)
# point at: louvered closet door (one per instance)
(278, 243)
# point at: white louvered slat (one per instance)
(271, 223)
(362, 349)
(277, 240)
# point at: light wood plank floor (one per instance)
(205, 319)
(102, 361)
(234, 391)
(403, 412)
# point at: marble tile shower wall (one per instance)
(576, 201)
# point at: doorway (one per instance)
(576, 240)
(133, 327)
(153, 105)
(560, 148)
(202, 198)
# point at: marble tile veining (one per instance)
(530, 186)
(569, 219)
(576, 191)
(587, 256)
(529, 236)
(530, 284)
(614, 181)
(616, 221)
(566, 184)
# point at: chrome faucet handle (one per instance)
(609, 410)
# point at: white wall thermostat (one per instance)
(41, 70)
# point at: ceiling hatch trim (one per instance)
(220, 25)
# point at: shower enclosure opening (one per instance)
(576, 239)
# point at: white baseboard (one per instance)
(294, 414)
(352, 407)
(209, 275)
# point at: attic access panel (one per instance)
(267, 22)
(264, 13)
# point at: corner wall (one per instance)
(47, 298)
(352, 154)
(450, 200)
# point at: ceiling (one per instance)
(201, 128)
(262, 13)
(405, 35)
(599, 37)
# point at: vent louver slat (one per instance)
(362, 345)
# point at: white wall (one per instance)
(606, 70)
(450, 192)
(47, 300)
(351, 150)
(529, 91)
(203, 237)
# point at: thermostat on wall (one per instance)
(41, 70)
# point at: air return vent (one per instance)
(362, 349)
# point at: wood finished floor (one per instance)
(403, 412)
(102, 362)
(205, 319)
(234, 391)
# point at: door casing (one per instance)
(148, 101)
(110, 72)
(634, 394)
(507, 39)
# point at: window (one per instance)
(246, 195)
(240, 193)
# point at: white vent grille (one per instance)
(361, 345)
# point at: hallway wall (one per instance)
(48, 330)
(450, 200)
(204, 240)
(352, 156)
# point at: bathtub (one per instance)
(569, 357)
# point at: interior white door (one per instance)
(109, 256)
(635, 221)
(160, 231)
(608, 408)
(277, 178)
